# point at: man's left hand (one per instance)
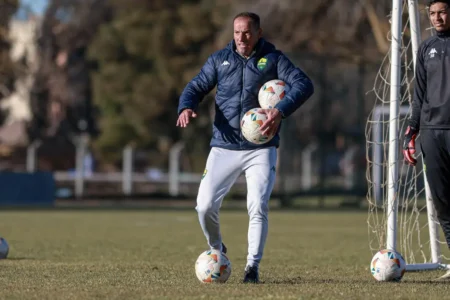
(270, 126)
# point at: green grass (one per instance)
(106, 254)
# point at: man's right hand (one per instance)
(185, 116)
(409, 145)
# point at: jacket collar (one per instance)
(443, 33)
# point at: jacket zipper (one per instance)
(444, 52)
(242, 100)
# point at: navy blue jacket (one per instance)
(238, 82)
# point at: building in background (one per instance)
(15, 105)
(23, 53)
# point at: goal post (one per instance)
(401, 213)
(394, 106)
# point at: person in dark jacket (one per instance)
(238, 71)
(431, 113)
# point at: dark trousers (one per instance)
(435, 146)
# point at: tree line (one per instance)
(114, 70)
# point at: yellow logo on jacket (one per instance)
(262, 63)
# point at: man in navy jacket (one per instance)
(238, 71)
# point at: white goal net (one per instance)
(401, 216)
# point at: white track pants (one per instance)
(223, 167)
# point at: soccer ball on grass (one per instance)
(387, 265)
(213, 266)
(4, 248)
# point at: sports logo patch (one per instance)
(262, 63)
(204, 173)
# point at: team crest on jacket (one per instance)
(204, 173)
(262, 63)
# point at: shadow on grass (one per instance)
(427, 282)
(299, 280)
(20, 258)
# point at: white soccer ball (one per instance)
(387, 265)
(213, 266)
(250, 124)
(271, 93)
(4, 248)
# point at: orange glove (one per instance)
(409, 145)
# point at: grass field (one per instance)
(150, 254)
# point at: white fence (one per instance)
(172, 182)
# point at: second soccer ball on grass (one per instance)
(213, 266)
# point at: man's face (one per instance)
(439, 16)
(245, 35)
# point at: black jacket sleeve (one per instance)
(420, 89)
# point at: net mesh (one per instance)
(413, 238)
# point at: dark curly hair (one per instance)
(431, 2)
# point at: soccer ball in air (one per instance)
(250, 124)
(213, 266)
(4, 248)
(271, 93)
(387, 265)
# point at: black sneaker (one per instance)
(251, 275)
(224, 249)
